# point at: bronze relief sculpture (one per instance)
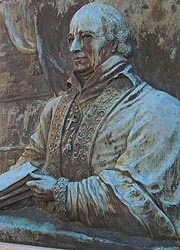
(108, 149)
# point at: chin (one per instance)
(83, 70)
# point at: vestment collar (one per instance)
(114, 67)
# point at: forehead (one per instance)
(86, 21)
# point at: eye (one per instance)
(70, 40)
(86, 37)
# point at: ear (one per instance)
(113, 45)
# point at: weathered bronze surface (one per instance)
(23, 88)
(154, 35)
(107, 148)
(34, 227)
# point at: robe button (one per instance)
(68, 147)
(75, 155)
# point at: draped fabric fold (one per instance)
(122, 159)
(19, 20)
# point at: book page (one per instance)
(15, 175)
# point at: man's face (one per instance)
(87, 42)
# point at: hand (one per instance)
(42, 186)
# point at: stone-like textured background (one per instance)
(155, 37)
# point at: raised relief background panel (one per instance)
(40, 31)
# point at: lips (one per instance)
(79, 59)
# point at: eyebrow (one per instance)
(69, 35)
(80, 32)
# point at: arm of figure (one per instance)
(35, 152)
(122, 198)
(115, 201)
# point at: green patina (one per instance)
(18, 222)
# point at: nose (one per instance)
(75, 46)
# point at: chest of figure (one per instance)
(76, 131)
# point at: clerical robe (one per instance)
(116, 140)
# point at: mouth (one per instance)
(79, 59)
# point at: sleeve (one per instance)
(119, 198)
(114, 201)
(35, 152)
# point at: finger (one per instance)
(36, 176)
(35, 184)
(45, 197)
(38, 194)
(38, 197)
(35, 194)
(12, 167)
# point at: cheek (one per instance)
(97, 53)
(94, 51)
(91, 52)
(87, 47)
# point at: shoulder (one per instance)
(158, 110)
(52, 103)
(62, 100)
(50, 107)
(155, 100)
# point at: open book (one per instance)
(13, 186)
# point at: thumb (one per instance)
(36, 176)
(32, 184)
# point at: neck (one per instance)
(84, 76)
